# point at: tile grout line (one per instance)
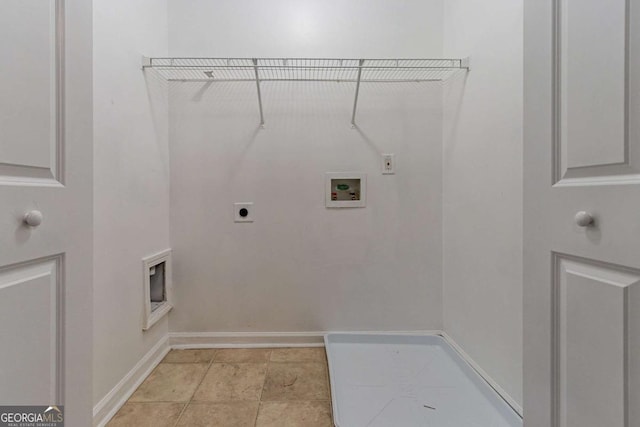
(328, 380)
(264, 383)
(196, 389)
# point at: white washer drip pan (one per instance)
(406, 381)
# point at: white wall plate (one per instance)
(243, 212)
(345, 189)
(388, 164)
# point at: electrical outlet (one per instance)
(388, 164)
(243, 212)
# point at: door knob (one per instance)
(33, 218)
(584, 219)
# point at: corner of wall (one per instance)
(131, 195)
(482, 203)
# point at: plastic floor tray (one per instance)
(409, 380)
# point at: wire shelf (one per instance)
(306, 69)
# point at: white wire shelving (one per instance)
(260, 70)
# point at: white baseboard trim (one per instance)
(104, 410)
(186, 340)
(494, 385)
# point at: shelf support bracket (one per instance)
(255, 69)
(146, 62)
(355, 100)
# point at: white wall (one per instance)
(131, 181)
(300, 266)
(482, 187)
(305, 28)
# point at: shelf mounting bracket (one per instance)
(255, 69)
(355, 100)
(146, 62)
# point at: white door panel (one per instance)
(46, 165)
(30, 64)
(592, 335)
(592, 81)
(582, 153)
(30, 352)
(596, 96)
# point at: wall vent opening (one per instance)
(158, 299)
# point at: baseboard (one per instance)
(113, 401)
(498, 389)
(184, 340)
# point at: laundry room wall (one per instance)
(301, 267)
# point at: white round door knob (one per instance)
(584, 219)
(33, 218)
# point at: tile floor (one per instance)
(284, 387)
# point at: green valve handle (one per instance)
(342, 187)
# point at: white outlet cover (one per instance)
(237, 207)
(388, 164)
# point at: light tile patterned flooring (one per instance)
(284, 387)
